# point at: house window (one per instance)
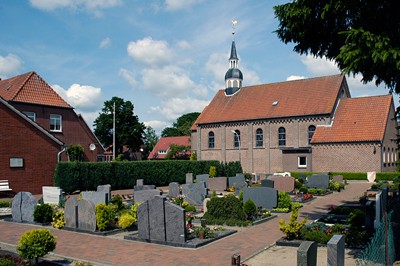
(211, 139)
(236, 139)
(302, 161)
(162, 152)
(31, 115)
(282, 136)
(259, 137)
(55, 123)
(311, 130)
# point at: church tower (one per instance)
(233, 77)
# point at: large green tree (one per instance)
(362, 37)
(128, 130)
(182, 126)
(150, 140)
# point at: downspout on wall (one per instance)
(59, 154)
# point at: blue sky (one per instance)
(168, 57)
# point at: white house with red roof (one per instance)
(301, 125)
(36, 127)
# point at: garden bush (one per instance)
(356, 219)
(227, 207)
(105, 215)
(293, 228)
(303, 189)
(117, 203)
(5, 204)
(58, 219)
(335, 186)
(250, 208)
(284, 200)
(43, 213)
(35, 244)
(126, 220)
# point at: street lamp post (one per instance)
(238, 137)
(114, 132)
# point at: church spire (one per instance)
(233, 77)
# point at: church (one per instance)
(307, 125)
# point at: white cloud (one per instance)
(150, 52)
(91, 5)
(294, 77)
(106, 42)
(217, 65)
(128, 76)
(174, 5)
(157, 125)
(319, 66)
(175, 107)
(250, 77)
(9, 65)
(169, 81)
(184, 44)
(84, 98)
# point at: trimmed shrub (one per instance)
(303, 189)
(250, 207)
(58, 219)
(126, 220)
(356, 219)
(105, 215)
(5, 204)
(43, 213)
(284, 200)
(35, 244)
(293, 228)
(228, 207)
(190, 208)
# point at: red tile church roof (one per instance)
(357, 119)
(314, 96)
(30, 88)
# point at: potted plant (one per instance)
(201, 232)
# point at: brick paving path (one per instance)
(100, 250)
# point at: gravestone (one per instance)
(189, 178)
(338, 178)
(318, 181)
(264, 197)
(51, 195)
(97, 197)
(80, 214)
(267, 183)
(173, 190)
(161, 220)
(217, 183)
(335, 250)
(23, 206)
(371, 176)
(205, 204)
(378, 209)
(106, 189)
(283, 183)
(307, 254)
(140, 186)
(203, 178)
(195, 193)
(238, 182)
(146, 194)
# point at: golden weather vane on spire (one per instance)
(234, 22)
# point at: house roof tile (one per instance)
(293, 98)
(30, 88)
(357, 119)
(164, 143)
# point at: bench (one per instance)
(4, 186)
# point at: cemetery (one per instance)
(191, 215)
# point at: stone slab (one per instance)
(146, 194)
(335, 250)
(264, 197)
(106, 189)
(70, 215)
(157, 218)
(238, 182)
(86, 215)
(51, 195)
(283, 183)
(371, 176)
(307, 254)
(338, 178)
(97, 197)
(173, 190)
(189, 178)
(318, 181)
(175, 223)
(267, 183)
(203, 178)
(143, 221)
(194, 193)
(23, 206)
(217, 183)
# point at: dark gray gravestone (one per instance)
(264, 197)
(194, 193)
(318, 181)
(203, 178)
(189, 178)
(140, 182)
(307, 254)
(267, 183)
(143, 220)
(335, 249)
(217, 183)
(86, 215)
(173, 190)
(283, 183)
(161, 220)
(106, 189)
(157, 218)
(70, 213)
(140, 186)
(175, 223)
(238, 182)
(97, 197)
(23, 206)
(146, 194)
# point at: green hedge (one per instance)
(387, 176)
(354, 176)
(71, 176)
